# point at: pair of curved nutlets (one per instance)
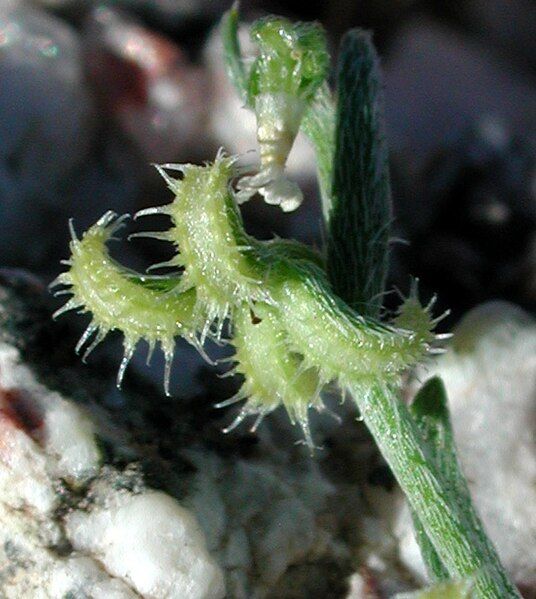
(291, 334)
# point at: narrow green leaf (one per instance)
(360, 217)
(434, 565)
(236, 69)
(319, 126)
(430, 410)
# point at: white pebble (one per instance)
(152, 543)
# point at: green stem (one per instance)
(460, 546)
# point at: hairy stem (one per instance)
(462, 549)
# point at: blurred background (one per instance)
(91, 94)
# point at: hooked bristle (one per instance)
(101, 334)
(150, 351)
(239, 396)
(167, 371)
(171, 263)
(159, 235)
(72, 232)
(71, 304)
(127, 356)
(153, 210)
(91, 328)
(170, 181)
(242, 415)
(63, 278)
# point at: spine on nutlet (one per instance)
(117, 298)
